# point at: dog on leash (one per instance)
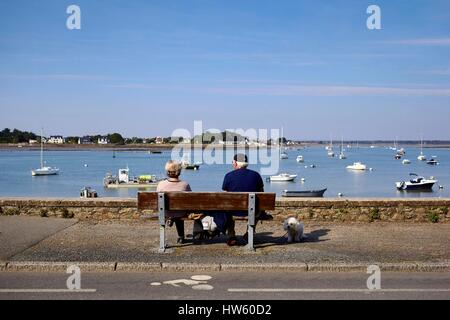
(294, 229)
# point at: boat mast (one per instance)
(421, 145)
(42, 148)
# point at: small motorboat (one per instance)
(188, 165)
(300, 159)
(303, 194)
(401, 152)
(331, 154)
(406, 161)
(416, 183)
(422, 158)
(284, 156)
(342, 156)
(88, 192)
(283, 177)
(357, 166)
(123, 180)
(432, 162)
(398, 156)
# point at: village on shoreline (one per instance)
(23, 140)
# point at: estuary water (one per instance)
(87, 168)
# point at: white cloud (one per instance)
(421, 42)
(301, 90)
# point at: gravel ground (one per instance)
(325, 243)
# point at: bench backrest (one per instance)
(206, 201)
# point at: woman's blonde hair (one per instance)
(173, 169)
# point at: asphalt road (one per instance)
(224, 286)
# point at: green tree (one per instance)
(116, 138)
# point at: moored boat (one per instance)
(123, 180)
(44, 170)
(357, 166)
(421, 157)
(189, 166)
(303, 194)
(433, 162)
(283, 177)
(416, 183)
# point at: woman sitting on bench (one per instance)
(173, 183)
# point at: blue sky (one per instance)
(145, 68)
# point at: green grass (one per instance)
(433, 217)
(66, 214)
(11, 211)
(43, 213)
(374, 214)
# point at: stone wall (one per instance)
(340, 210)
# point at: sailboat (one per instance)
(330, 149)
(283, 154)
(43, 170)
(421, 157)
(342, 156)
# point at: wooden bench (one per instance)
(204, 202)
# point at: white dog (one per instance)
(294, 229)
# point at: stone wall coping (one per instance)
(281, 202)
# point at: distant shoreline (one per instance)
(167, 147)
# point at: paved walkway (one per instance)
(30, 239)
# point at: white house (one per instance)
(84, 140)
(103, 140)
(159, 140)
(56, 140)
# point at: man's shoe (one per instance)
(265, 216)
(181, 241)
(245, 236)
(232, 241)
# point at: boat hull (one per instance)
(36, 173)
(131, 185)
(416, 186)
(282, 178)
(304, 194)
(193, 167)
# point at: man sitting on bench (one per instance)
(241, 179)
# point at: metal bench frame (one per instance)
(162, 221)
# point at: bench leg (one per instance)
(251, 220)
(251, 230)
(162, 239)
(162, 222)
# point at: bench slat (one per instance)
(206, 201)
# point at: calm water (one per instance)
(16, 179)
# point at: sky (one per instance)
(146, 68)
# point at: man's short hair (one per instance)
(241, 160)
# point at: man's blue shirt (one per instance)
(243, 180)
